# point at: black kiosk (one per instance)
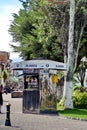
(39, 90)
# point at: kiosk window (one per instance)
(32, 81)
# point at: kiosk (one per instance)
(39, 91)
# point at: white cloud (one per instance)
(5, 20)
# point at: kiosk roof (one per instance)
(39, 64)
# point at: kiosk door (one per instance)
(31, 95)
(31, 101)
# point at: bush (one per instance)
(80, 98)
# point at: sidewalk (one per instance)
(21, 121)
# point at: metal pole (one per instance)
(7, 122)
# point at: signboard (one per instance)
(30, 71)
(55, 79)
(38, 64)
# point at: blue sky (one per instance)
(7, 7)
(5, 2)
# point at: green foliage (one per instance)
(80, 98)
(42, 30)
(4, 75)
(34, 34)
(61, 25)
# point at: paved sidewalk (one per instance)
(21, 121)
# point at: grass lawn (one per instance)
(73, 113)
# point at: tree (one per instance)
(73, 49)
(72, 45)
(35, 37)
(82, 49)
(70, 61)
(43, 38)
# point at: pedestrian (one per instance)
(1, 97)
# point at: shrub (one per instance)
(80, 99)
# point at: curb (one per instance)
(73, 118)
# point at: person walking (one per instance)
(1, 97)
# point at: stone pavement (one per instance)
(21, 121)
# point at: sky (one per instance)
(7, 7)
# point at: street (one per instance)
(21, 121)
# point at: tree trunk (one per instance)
(82, 76)
(69, 90)
(68, 86)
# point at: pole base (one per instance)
(7, 122)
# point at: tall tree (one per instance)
(78, 9)
(30, 28)
(73, 46)
(70, 61)
(41, 34)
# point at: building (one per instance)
(4, 57)
(4, 60)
